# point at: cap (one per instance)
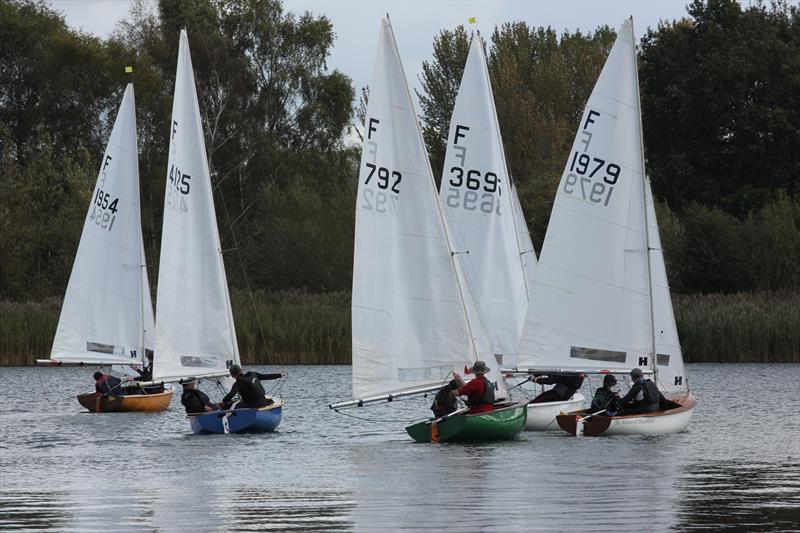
(235, 369)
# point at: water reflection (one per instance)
(731, 495)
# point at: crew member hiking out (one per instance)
(479, 391)
(249, 388)
(565, 386)
(643, 397)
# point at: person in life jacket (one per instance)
(606, 400)
(107, 385)
(643, 397)
(195, 400)
(249, 388)
(479, 391)
(445, 401)
(565, 386)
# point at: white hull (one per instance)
(542, 416)
(650, 425)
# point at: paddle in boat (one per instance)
(601, 302)
(195, 337)
(494, 249)
(411, 328)
(107, 314)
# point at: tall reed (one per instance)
(307, 328)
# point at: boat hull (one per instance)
(504, 423)
(542, 416)
(260, 420)
(658, 423)
(144, 403)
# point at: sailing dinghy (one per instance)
(494, 249)
(195, 336)
(601, 302)
(411, 329)
(107, 314)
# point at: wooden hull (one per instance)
(238, 420)
(542, 416)
(504, 423)
(658, 423)
(144, 403)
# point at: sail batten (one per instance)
(107, 314)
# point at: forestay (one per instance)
(195, 335)
(480, 205)
(590, 306)
(409, 324)
(107, 314)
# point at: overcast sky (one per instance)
(415, 22)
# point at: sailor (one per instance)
(643, 397)
(606, 400)
(479, 391)
(196, 401)
(249, 388)
(107, 384)
(565, 386)
(445, 401)
(146, 374)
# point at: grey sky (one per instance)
(415, 22)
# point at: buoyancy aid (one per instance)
(484, 398)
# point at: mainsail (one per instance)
(195, 335)
(107, 314)
(481, 206)
(409, 321)
(591, 307)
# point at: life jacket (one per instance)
(194, 400)
(650, 392)
(444, 403)
(251, 390)
(108, 385)
(484, 398)
(604, 399)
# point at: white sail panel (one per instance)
(527, 252)
(194, 329)
(477, 198)
(670, 373)
(409, 323)
(591, 306)
(107, 311)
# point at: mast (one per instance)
(438, 202)
(644, 206)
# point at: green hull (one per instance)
(501, 424)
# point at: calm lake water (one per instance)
(737, 466)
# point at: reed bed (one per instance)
(762, 327)
(307, 328)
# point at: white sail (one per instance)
(195, 335)
(409, 322)
(526, 250)
(107, 314)
(671, 375)
(478, 200)
(591, 304)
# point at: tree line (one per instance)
(720, 92)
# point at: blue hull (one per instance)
(238, 421)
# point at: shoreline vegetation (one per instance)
(306, 328)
